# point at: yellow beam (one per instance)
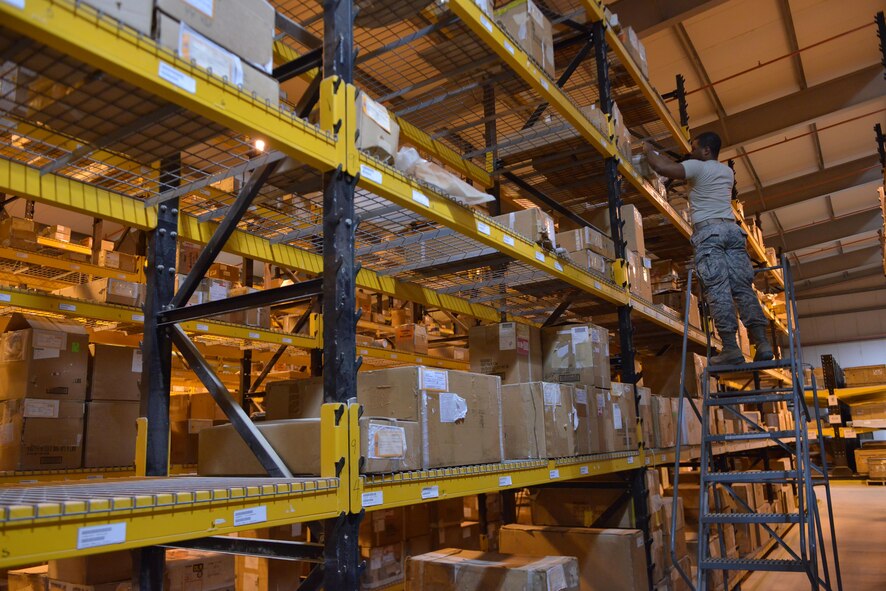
(62, 264)
(78, 31)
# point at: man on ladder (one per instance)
(721, 256)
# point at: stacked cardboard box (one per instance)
(533, 224)
(529, 27)
(663, 514)
(587, 239)
(509, 350)
(412, 338)
(866, 375)
(635, 48)
(43, 379)
(261, 574)
(539, 421)
(621, 433)
(257, 317)
(18, 233)
(107, 290)
(662, 374)
(112, 406)
(113, 259)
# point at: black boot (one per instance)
(761, 344)
(730, 354)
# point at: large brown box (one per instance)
(138, 14)
(28, 579)
(866, 375)
(632, 230)
(190, 570)
(602, 402)
(118, 260)
(222, 452)
(585, 419)
(446, 512)
(107, 290)
(382, 527)
(262, 574)
(493, 507)
(577, 354)
(510, 350)
(646, 420)
(537, 420)
(619, 553)
(865, 455)
(529, 27)
(586, 239)
(18, 233)
(662, 374)
(578, 507)
(663, 421)
(41, 434)
(43, 358)
(417, 520)
(464, 535)
(384, 565)
(412, 338)
(243, 27)
(623, 435)
(294, 399)
(115, 373)
(463, 570)
(532, 223)
(95, 569)
(452, 407)
(110, 433)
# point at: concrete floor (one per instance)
(861, 537)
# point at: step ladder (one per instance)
(808, 555)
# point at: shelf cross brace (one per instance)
(269, 366)
(576, 61)
(262, 548)
(561, 308)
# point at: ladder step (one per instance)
(757, 476)
(759, 564)
(746, 367)
(751, 518)
(749, 399)
(750, 436)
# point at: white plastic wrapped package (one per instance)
(409, 162)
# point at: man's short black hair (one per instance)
(709, 140)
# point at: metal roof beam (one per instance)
(651, 16)
(803, 106)
(851, 274)
(822, 182)
(839, 263)
(829, 230)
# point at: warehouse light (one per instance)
(260, 145)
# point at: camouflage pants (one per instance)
(723, 264)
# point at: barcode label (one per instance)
(421, 198)
(509, 47)
(254, 335)
(372, 499)
(430, 492)
(486, 23)
(101, 535)
(5, 297)
(483, 228)
(505, 481)
(583, 470)
(67, 307)
(253, 515)
(286, 341)
(509, 240)
(202, 327)
(370, 173)
(177, 78)
(558, 266)
(555, 474)
(138, 317)
(539, 256)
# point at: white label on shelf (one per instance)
(583, 470)
(630, 459)
(544, 83)
(509, 47)
(21, 255)
(371, 499)
(483, 228)
(849, 433)
(137, 361)
(648, 461)
(364, 352)
(434, 379)
(254, 335)
(421, 198)
(596, 285)
(419, 360)
(204, 6)
(555, 474)
(17, 3)
(486, 23)
(5, 297)
(202, 327)
(505, 481)
(253, 515)
(393, 355)
(94, 536)
(177, 78)
(508, 239)
(835, 419)
(558, 266)
(540, 256)
(67, 307)
(430, 492)
(663, 458)
(370, 173)
(286, 340)
(832, 401)
(138, 317)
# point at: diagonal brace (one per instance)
(262, 548)
(576, 61)
(561, 308)
(254, 439)
(222, 233)
(282, 348)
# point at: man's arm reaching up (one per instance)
(663, 165)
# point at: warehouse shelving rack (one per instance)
(365, 201)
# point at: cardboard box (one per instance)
(632, 230)
(619, 553)
(118, 260)
(41, 434)
(585, 419)
(18, 233)
(461, 570)
(690, 430)
(576, 354)
(107, 290)
(384, 565)
(464, 535)
(417, 545)
(456, 353)
(638, 275)
(662, 374)
(115, 373)
(110, 434)
(646, 420)
(538, 420)
(378, 131)
(28, 579)
(603, 423)
(43, 358)
(623, 434)
(492, 503)
(389, 445)
(244, 27)
(417, 520)
(293, 399)
(446, 512)
(533, 224)
(190, 570)
(382, 527)
(578, 507)
(258, 317)
(591, 261)
(635, 48)
(57, 232)
(867, 375)
(201, 405)
(191, 45)
(138, 14)
(452, 407)
(587, 239)
(94, 569)
(663, 422)
(529, 27)
(864, 456)
(412, 338)
(510, 350)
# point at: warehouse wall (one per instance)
(848, 354)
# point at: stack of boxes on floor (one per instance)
(186, 570)
(662, 511)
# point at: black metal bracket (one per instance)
(881, 35)
(300, 65)
(881, 145)
(576, 61)
(262, 548)
(264, 297)
(561, 308)
(548, 201)
(278, 354)
(257, 443)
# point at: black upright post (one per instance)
(341, 554)
(157, 357)
(490, 134)
(625, 327)
(246, 360)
